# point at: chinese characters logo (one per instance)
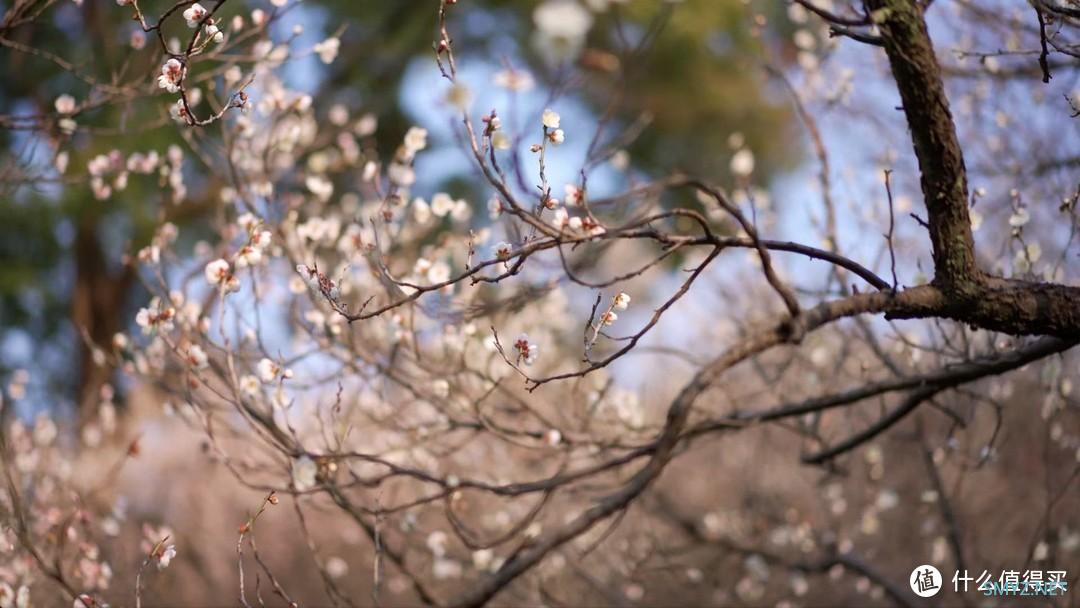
(925, 581)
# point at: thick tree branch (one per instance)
(966, 294)
(941, 161)
(672, 434)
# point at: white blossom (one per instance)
(415, 140)
(502, 250)
(482, 558)
(155, 317)
(65, 104)
(562, 26)
(1019, 218)
(172, 72)
(421, 211)
(550, 119)
(443, 568)
(442, 204)
(622, 300)
(196, 357)
(321, 187)
(327, 50)
(165, 557)
(742, 163)
(262, 239)
(336, 567)
(217, 272)
(553, 437)
(194, 14)
(249, 385)
(561, 218)
(270, 370)
(248, 256)
(574, 195)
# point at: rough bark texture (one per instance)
(941, 161)
(965, 294)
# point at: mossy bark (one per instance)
(965, 293)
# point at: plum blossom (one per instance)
(608, 317)
(574, 195)
(194, 14)
(217, 272)
(551, 119)
(252, 253)
(436, 543)
(561, 28)
(247, 221)
(443, 569)
(502, 250)
(621, 301)
(439, 272)
(1019, 218)
(269, 370)
(459, 96)
(553, 437)
(178, 111)
(172, 73)
(249, 385)
(327, 50)
(214, 33)
(10, 598)
(164, 556)
(196, 357)
(65, 104)
(562, 220)
(321, 187)
(415, 140)
(336, 567)
(482, 558)
(742, 163)
(442, 204)
(527, 351)
(262, 239)
(155, 317)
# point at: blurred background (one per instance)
(694, 83)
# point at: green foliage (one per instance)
(695, 80)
